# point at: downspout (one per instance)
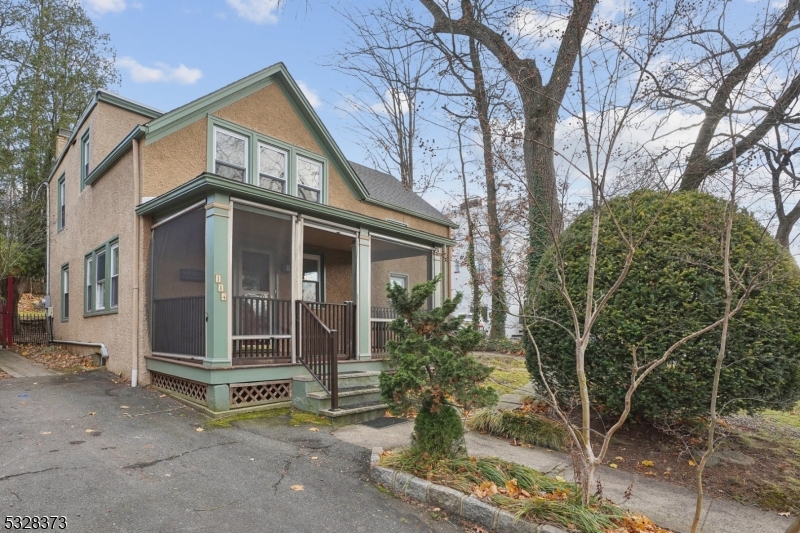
(103, 349)
(135, 298)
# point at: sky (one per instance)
(170, 52)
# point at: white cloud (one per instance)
(545, 29)
(160, 72)
(101, 7)
(393, 100)
(310, 94)
(258, 11)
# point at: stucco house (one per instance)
(226, 250)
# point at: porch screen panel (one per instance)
(261, 284)
(178, 280)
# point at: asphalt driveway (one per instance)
(112, 458)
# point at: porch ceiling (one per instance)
(207, 183)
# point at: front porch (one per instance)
(245, 295)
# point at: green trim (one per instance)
(64, 267)
(112, 99)
(116, 154)
(206, 183)
(443, 222)
(61, 201)
(363, 295)
(217, 253)
(85, 139)
(243, 374)
(107, 309)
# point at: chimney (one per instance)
(61, 140)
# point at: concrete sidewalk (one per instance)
(670, 506)
(19, 367)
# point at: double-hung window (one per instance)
(84, 158)
(65, 293)
(102, 279)
(230, 155)
(114, 276)
(272, 169)
(62, 193)
(309, 179)
(398, 279)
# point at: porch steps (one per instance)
(359, 397)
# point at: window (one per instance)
(115, 276)
(100, 282)
(61, 202)
(89, 284)
(84, 159)
(230, 155)
(456, 266)
(102, 264)
(272, 168)
(399, 279)
(65, 293)
(309, 179)
(312, 278)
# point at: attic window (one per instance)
(272, 168)
(230, 155)
(309, 179)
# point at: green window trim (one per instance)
(255, 139)
(65, 292)
(85, 152)
(97, 293)
(62, 192)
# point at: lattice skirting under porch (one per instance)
(190, 389)
(263, 392)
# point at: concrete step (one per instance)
(319, 401)
(355, 414)
(347, 380)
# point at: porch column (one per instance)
(218, 348)
(363, 297)
(436, 269)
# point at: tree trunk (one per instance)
(497, 327)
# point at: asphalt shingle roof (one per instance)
(388, 189)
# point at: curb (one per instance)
(466, 506)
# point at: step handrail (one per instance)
(316, 350)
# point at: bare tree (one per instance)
(779, 160)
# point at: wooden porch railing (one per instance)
(262, 330)
(342, 318)
(316, 349)
(379, 329)
(179, 326)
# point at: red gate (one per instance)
(7, 316)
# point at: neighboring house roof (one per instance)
(387, 189)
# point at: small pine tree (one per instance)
(431, 370)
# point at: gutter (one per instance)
(103, 349)
(136, 244)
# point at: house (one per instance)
(226, 250)
(511, 213)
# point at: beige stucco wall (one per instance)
(182, 155)
(94, 216)
(416, 268)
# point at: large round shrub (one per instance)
(674, 287)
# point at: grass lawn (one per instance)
(509, 372)
(790, 418)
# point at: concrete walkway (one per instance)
(20, 367)
(670, 506)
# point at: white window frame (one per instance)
(114, 265)
(65, 293)
(285, 165)
(62, 202)
(88, 286)
(398, 275)
(246, 151)
(321, 177)
(100, 286)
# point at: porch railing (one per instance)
(316, 349)
(342, 318)
(379, 329)
(179, 326)
(262, 329)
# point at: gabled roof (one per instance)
(385, 189)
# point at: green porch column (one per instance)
(436, 269)
(363, 297)
(217, 281)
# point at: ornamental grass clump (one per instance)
(431, 372)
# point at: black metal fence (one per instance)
(32, 328)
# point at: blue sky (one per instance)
(170, 52)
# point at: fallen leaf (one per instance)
(89, 431)
(692, 463)
(666, 473)
(561, 479)
(648, 463)
(787, 513)
(313, 429)
(163, 396)
(124, 407)
(620, 459)
(315, 457)
(613, 465)
(45, 432)
(297, 487)
(92, 413)
(199, 429)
